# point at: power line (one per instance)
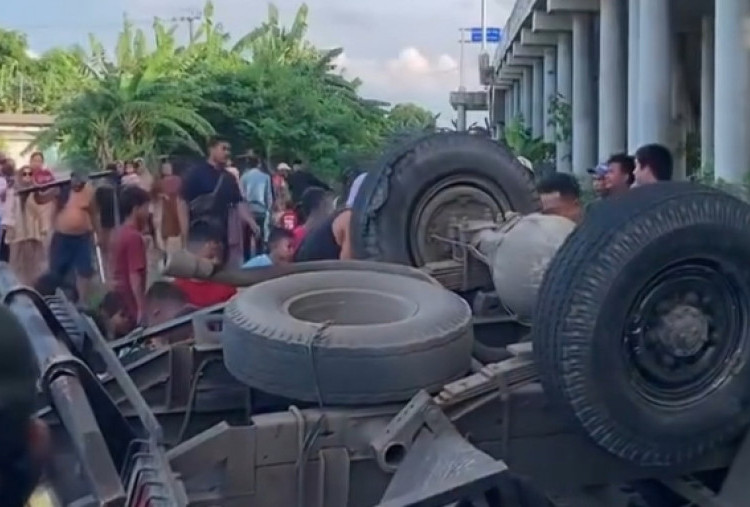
(190, 19)
(88, 26)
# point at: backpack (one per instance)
(207, 205)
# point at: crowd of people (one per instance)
(561, 194)
(61, 235)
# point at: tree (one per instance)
(404, 117)
(36, 84)
(124, 116)
(272, 91)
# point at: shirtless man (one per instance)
(71, 248)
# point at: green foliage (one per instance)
(271, 91)
(35, 84)
(523, 144)
(561, 117)
(403, 117)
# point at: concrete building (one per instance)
(631, 72)
(17, 131)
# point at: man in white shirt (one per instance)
(256, 187)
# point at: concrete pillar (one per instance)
(563, 158)
(537, 123)
(550, 91)
(633, 49)
(518, 99)
(679, 110)
(461, 118)
(508, 107)
(612, 80)
(584, 154)
(654, 72)
(707, 91)
(732, 89)
(527, 95)
(498, 105)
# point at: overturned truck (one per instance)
(360, 383)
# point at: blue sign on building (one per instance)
(493, 34)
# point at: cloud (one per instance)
(402, 50)
(411, 76)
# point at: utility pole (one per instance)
(484, 26)
(190, 19)
(461, 42)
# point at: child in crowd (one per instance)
(128, 253)
(280, 250)
(207, 243)
(287, 218)
(164, 302)
(112, 317)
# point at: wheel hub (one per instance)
(444, 205)
(683, 330)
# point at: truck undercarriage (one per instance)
(202, 438)
(506, 421)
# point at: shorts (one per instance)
(72, 252)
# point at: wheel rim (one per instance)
(683, 333)
(445, 203)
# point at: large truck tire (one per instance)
(403, 211)
(642, 327)
(347, 337)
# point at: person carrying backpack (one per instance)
(213, 196)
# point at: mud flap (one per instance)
(439, 466)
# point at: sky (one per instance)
(403, 50)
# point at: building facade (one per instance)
(17, 133)
(629, 72)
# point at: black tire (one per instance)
(405, 180)
(594, 356)
(412, 335)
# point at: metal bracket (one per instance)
(392, 446)
(434, 464)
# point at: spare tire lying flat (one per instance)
(642, 327)
(368, 337)
(414, 191)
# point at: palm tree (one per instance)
(273, 44)
(125, 115)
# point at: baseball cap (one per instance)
(599, 171)
(18, 368)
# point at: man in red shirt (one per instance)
(207, 243)
(128, 252)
